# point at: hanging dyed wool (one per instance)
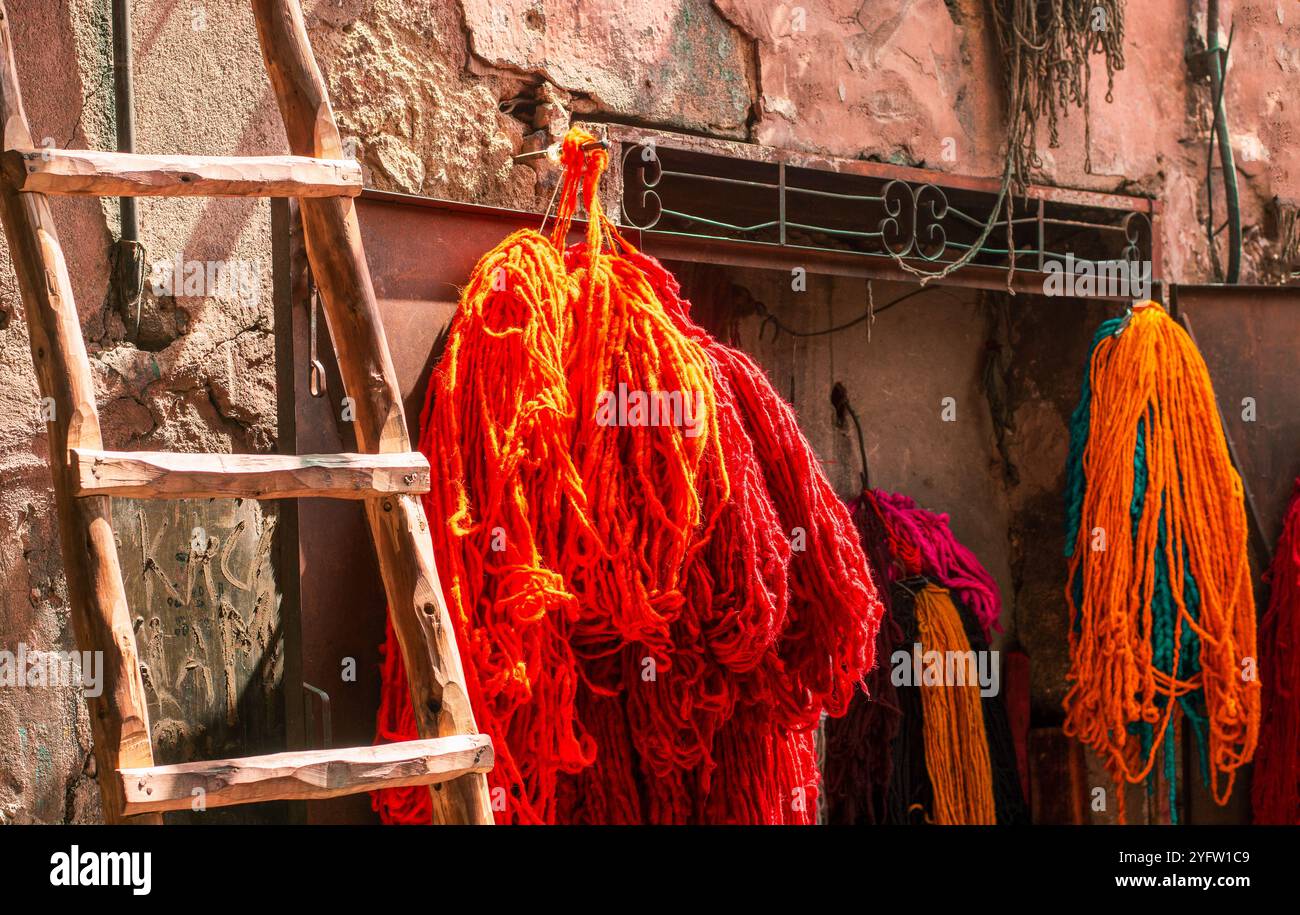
(637, 636)
(954, 759)
(910, 797)
(1004, 765)
(924, 545)
(1162, 618)
(1275, 782)
(956, 745)
(859, 746)
(831, 590)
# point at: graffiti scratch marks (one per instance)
(199, 575)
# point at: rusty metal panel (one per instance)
(1250, 337)
(419, 258)
(333, 596)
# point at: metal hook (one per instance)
(1135, 307)
(315, 370)
(552, 152)
(327, 730)
(1123, 325)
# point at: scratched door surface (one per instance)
(1250, 337)
(200, 583)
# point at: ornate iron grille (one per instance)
(682, 188)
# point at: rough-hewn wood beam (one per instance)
(169, 475)
(310, 775)
(114, 174)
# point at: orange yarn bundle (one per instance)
(1162, 613)
(620, 585)
(956, 746)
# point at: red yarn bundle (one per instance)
(652, 616)
(1275, 785)
(831, 589)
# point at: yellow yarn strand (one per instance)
(956, 747)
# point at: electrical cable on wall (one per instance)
(1218, 66)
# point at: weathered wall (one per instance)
(437, 95)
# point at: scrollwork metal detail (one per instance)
(1135, 224)
(924, 235)
(643, 184)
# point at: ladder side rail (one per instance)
(398, 525)
(119, 717)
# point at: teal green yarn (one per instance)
(1075, 483)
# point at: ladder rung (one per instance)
(313, 774)
(171, 475)
(114, 174)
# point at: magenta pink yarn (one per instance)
(944, 560)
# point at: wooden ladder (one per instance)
(451, 755)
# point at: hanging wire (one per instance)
(994, 377)
(871, 310)
(778, 326)
(1045, 50)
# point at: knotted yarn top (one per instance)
(584, 160)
